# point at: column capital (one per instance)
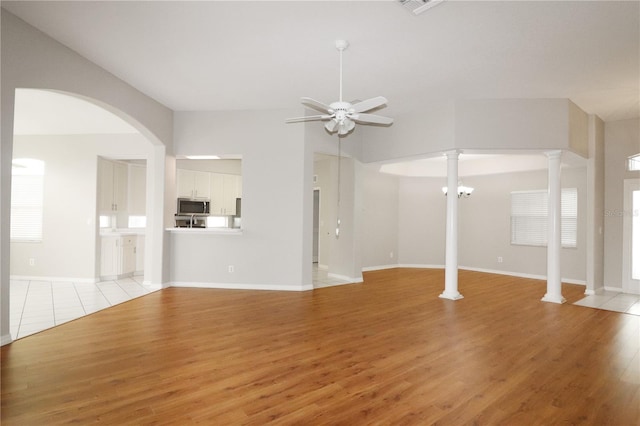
(454, 153)
(556, 153)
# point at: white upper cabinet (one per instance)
(193, 184)
(225, 188)
(112, 185)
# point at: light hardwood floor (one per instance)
(387, 351)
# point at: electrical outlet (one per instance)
(390, 255)
(231, 269)
(499, 259)
(32, 261)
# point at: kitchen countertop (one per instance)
(122, 231)
(208, 231)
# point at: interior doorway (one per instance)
(631, 237)
(67, 135)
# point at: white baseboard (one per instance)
(401, 265)
(378, 268)
(420, 265)
(235, 286)
(615, 289)
(521, 275)
(323, 267)
(468, 268)
(5, 339)
(351, 280)
(54, 279)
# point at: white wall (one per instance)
(31, 59)
(68, 248)
(484, 224)
(595, 206)
(524, 124)
(622, 139)
(425, 131)
(422, 219)
(380, 220)
(270, 252)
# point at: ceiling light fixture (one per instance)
(418, 6)
(463, 191)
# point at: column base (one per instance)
(454, 296)
(553, 299)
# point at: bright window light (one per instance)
(105, 221)
(634, 163)
(216, 222)
(137, 221)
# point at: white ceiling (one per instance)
(217, 55)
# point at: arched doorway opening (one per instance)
(56, 276)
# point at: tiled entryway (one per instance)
(612, 301)
(321, 278)
(38, 305)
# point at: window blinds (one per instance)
(529, 210)
(27, 181)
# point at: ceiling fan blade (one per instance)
(331, 126)
(368, 104)
(308, 118)
(371, 119)
(317, 105)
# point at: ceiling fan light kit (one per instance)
(342, 116)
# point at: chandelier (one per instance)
(463, 191)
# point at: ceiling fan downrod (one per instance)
(341, 45)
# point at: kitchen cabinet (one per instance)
(193, 184)
(225, 188)
(112, 186)
(117, 256)
(137, 190)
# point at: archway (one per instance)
(69, 133)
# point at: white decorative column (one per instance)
(554, 241)
(451, 254)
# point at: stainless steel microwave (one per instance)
(187, 206)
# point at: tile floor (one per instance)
(612, 301)
(321, 278)
(38, 305)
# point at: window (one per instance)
(634, 163)
(529, 217)
(27, 182)
(137, 222)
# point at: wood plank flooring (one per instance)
(387, 351)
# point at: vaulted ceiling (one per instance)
(217, 55)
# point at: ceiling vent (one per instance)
(418, 6)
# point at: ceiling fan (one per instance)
(342, 116)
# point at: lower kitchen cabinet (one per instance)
(117, 256)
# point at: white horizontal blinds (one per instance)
(27, 193)
(529, 217)
(569, 217)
